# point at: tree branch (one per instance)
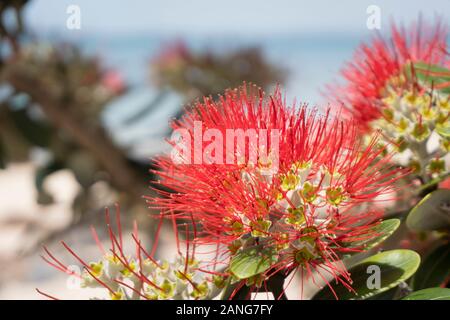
(93, 137)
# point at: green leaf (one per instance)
(431, 213)
(434, 270)
(252, 261)
(431, 74)
(395, 266)
(379, 233)
(430, 294)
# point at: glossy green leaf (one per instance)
(431, 213)
(430, 294)
(432, 75)
(395, 266)
(434, 270)
(252, 261)
(377, 234)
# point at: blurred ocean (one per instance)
(311, 62)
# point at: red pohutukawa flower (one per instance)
(385, 64)
(400, 86)
(253, 173)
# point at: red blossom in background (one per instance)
(380, 61)
(399, 85)
(113, 81)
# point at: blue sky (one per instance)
(243, 17)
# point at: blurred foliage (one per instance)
(79, 84)
(51, 103)
(53, 96)
(197, 74)
(70, 76)
(9, 33)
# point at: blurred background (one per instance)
(87, 89)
